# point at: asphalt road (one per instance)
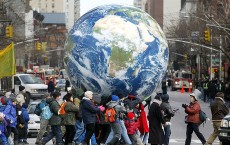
(178, 126)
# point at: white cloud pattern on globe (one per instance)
(115, 49)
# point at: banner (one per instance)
(7, 61)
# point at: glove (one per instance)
(102, 108)
(184, 105)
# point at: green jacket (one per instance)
(69, 117)
(54, 107)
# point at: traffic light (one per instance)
(207, 36)
(9, 31)
(39, 45)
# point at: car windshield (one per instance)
(31, 108)
(61, 81)
(187, 76)
(29, 79)
(49, 72)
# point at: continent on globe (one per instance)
(115, 49)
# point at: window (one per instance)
(52, 5)
(16, 80)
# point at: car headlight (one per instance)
(176, 83)
(190, 83)
(34, 90)
(224, 123)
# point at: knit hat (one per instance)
(115, 98)
(21, 88)
(130, 115)
(131, 96)
(196, 94)
(220, 94)
(165, 98)
(88, 93)
(158, 97)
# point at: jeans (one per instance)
(55, 132)
(190, 128)
(144, 137)
(69, 135)
(79, 126)
(43, 126)
(116, 127)
(124, 132)
(167, 134)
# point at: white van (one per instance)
(34, 88)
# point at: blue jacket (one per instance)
(10, 114)
(25, 116)
(88, 111)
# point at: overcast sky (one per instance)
(87, 5)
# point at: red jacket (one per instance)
(193, 111)
(131, 126)
(143, 127)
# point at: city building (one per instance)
(165, 12)
(71, 8)
(137, 3)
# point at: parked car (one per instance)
(34, 123)
(224, 134)
(60, 85)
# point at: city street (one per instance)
(178, 126)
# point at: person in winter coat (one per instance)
(143, 124)
(51, 86)
(132, 128)
(115, 126)
(155, 116)
(43, 122)
(55, 120)
(88, 113)
(23, 129)
(3, 131)
(11, 116)
(193, 118)
(69, 118)
(168, 113)
(219, 111)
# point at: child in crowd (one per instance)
(132, 128)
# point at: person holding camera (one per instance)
(193, 118)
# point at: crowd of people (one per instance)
(78, 119)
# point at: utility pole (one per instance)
(220, 71)
(211, 54)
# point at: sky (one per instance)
(87, 5)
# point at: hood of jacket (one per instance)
(49, 100)
(165, 98)
(111, 104)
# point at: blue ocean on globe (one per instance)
(115, 49)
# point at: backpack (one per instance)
(46, 113)
(37, 110)
(110, 115)
(203, 117)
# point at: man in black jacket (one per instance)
(168, 113)
(219, 111)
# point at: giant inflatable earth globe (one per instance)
(115, 49)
